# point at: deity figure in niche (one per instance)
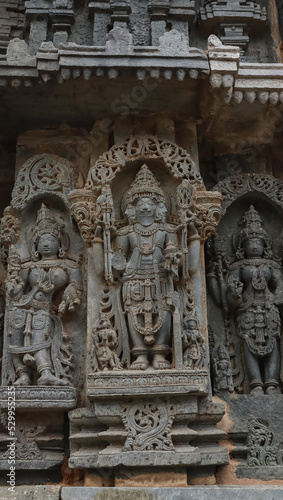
(149, 258)
(253, 282)
(36, 341)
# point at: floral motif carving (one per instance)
(149, 426)
(177, 160)
(40, 175)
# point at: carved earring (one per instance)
(34, 255)
(61, 252)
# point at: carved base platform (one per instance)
(166, 382)
(147, 419)
(40, 397)
(35, 434)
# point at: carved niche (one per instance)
(43, 327)
(244, 274)
(144, 215)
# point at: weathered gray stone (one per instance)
(190, 493)
(31, 493)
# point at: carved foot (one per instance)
(139, 365)
(49, 379)
(161, 365)
(257, 390)
(23, 380)
(272, 390)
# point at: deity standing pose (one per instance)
(148, 254)
(252, 287)
(34, 287)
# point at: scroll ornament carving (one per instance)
(149, 426)
(261, 442)
(177, 160)
(238, 185)
(36, 341)
(43, 174)
(26, 447)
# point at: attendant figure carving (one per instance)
(38, 347)
(253, 281)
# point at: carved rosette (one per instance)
(83, 209)
(10, 227)
(40, 175)
(149, 426)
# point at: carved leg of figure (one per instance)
(43, 364)
(21, 372)
(140, 350)
(161, 346)
(252, 365)
(271, 372)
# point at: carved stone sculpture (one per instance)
(222, 369)
(252, 282)
(148, 254)
(249, 291)
(38, 350)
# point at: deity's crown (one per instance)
(46, 224)
(252, 223)
(144, 185)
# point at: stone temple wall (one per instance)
(141, 272)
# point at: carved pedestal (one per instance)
(147, 420)
(34, 436)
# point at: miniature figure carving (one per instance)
(36, 340)
(193, 346)
(222, 369)
(252, 283)
(148, 254)
(105, 342)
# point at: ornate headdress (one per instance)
(47, 224)
(145, 184)
(253, 227)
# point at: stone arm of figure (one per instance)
(16, 285)
(193, 248)
(234, 290)
(120, 254)
(72, 293)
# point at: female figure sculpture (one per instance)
(252, 283)
(35, 336)
(148, 254)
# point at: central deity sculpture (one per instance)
(148, 256)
